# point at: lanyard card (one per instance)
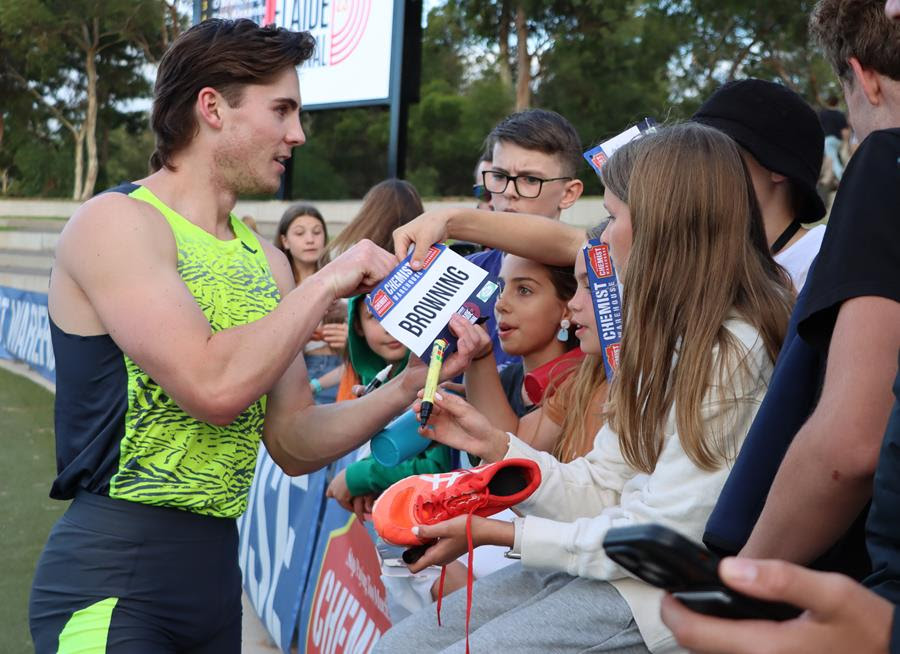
(604, 288)
(598, 155)
(415, 306)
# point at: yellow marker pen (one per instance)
(432, 379)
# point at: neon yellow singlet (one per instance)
(166, 457)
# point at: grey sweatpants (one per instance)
(522, 611)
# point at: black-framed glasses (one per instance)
(481, 194)
(527, 186)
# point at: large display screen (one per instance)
(352, 62)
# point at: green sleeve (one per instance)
(369, 476)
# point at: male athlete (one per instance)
(177, 333)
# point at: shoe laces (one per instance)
(446, 503)
(470, 578)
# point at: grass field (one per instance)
(27, 467)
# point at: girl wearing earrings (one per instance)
(705, 311)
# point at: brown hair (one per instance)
(387, 206)
(857, 28)
(541, 130)
(287, 219)
(578, 394)
(699, 252)
(225, 55)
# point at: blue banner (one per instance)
(25, 330)
(278, 537)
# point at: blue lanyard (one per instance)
(607, 301)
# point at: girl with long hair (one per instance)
(705, 309)
(534, 323)
(385, 207)
(303, 235)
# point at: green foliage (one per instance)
(447, 132)
(50, 43)
(603, 64)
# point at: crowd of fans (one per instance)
(752, 404)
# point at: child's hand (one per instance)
(338, 490)
(362, 506)
(452, 540)
(457, 423)
(335, 334)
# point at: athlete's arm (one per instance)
(302, 436)
(115, 273)
(825, 479)
(532, 237)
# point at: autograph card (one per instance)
(598, 155)
(415, 306)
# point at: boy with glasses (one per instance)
(534, 158)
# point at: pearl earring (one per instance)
(563, 333)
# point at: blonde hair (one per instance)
(698, 255)
(577, 393)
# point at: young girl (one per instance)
(535, 324)
(705, 309)
(530, 308)
(302, 236)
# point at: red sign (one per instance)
(349, 606)
(600, 261)
(598, 159)
(381, 303)
(431, 256)
(612, 355)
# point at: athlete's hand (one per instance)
(841, 615)
(423, 232)
(357, 270)
(457, 423)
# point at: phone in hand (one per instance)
(664, 558)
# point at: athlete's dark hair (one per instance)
(541, 130)
(226, 55)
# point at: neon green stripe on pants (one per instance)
(87, 629)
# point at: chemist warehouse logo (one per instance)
(381, 303)
(347, 21)
(600, 263)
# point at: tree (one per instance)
(741, 38)
(65, 43)
(610, 70)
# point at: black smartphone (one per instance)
(666, 559)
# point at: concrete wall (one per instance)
(587, 211)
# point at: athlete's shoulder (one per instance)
(112, 209)
(113, 220)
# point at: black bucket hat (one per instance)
(778, 128)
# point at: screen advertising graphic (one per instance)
(352, 60)
(415, 306)
(351, 64)
(607, 300)
(600, 154)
